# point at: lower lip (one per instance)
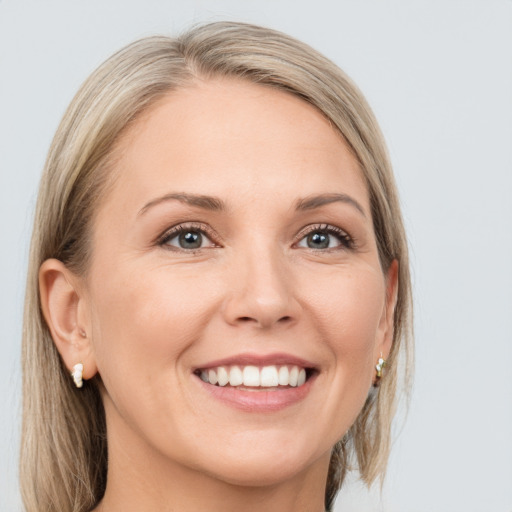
(259, 400)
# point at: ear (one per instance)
(64, 309)
(386, 325)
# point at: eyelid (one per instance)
(175, 230)
(346, 240)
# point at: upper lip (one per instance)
(259, 360)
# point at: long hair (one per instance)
(64, 444)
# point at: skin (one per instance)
(148, 313)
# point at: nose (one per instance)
(261, 291)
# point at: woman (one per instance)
(219, 263)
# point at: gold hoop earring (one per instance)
(379, 367)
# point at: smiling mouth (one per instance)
(253, 378)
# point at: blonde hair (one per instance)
(64, 447)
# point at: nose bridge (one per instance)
(261, 288)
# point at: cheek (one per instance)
(348, 311)
(144, 323)
(349, 306)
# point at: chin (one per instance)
(260, 474)
(264, 464)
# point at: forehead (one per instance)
(222, 137)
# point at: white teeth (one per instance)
(302, 377)
(284, 376)
(222, 376)
(212, 376)
(235, 376)
(254, 376)
(251, 376)
(294, 376)
(269, 377)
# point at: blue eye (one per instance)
(183, 237)
(325, 237)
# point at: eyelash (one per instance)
(185, 228)
(346, 241)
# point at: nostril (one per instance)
(247, 319)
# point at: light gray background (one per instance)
(439, 76)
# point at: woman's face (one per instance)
(236, 243)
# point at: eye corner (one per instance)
(323, 235)
(200, 237)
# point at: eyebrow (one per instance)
(205, 202)
(215, 204)
(312, 202)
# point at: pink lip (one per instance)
(258, 360)
(259, 401)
